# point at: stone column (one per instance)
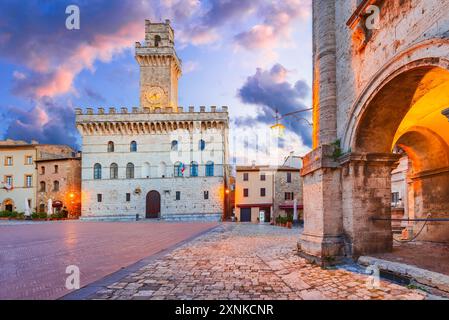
(325, 66)
(321, 240)
(366, 194)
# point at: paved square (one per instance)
(244, 261)
(34, 256)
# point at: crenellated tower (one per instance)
(160, 68)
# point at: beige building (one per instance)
(18, 172)
(157, 160)
(59, 179)
(266, 192)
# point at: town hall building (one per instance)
(157, 160)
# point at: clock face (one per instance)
(154, 95)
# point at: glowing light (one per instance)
(278, 129)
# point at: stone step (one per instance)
(421, 276)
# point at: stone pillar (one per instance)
(322, 240)
(325, 66)
(366, 194)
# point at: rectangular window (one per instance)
(178, 195)
(263, 177)
(42, 170)
(9, 181)
(262, 192)
(395, 198)
(289, 177)
(56, 169)
(28, 181)
(245, 176)
(29, 160)
(128, 197)
(289, 196)
(246, 193)
(99, 197)
(206, 195)
(8, 161)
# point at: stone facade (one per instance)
(59, 179)
(156, 160)
(281, 187)
(18, 172)
(380, 82)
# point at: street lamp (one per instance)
(279, 128)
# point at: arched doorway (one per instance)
(8, 205)
(153, 205)
(404, 112)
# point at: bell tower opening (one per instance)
(160, 68)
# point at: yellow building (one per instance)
(18, 174)
(262, 192)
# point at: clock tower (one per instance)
(160, 68)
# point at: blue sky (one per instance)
(254, 56)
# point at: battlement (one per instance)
(137, 110)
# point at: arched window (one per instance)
(178, 169)
(194, 169)
(129, 171)
(202, 145)
(210, 169)
(97, 171)
(157, 40)
(174, 145)
(55, 185)
(110, 146)
(42, 186)
(162, 169)
(113, 171)
(133, 146)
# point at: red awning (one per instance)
(255, 205)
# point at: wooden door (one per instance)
(153, 205)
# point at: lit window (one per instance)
(133, 146)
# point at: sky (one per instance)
(254, 56)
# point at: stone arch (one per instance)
(8, 205)
(412, 57)
(403, 110)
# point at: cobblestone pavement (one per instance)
(34, 256)
(243, 261)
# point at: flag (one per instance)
(183, 168)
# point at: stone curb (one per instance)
(422, 276)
